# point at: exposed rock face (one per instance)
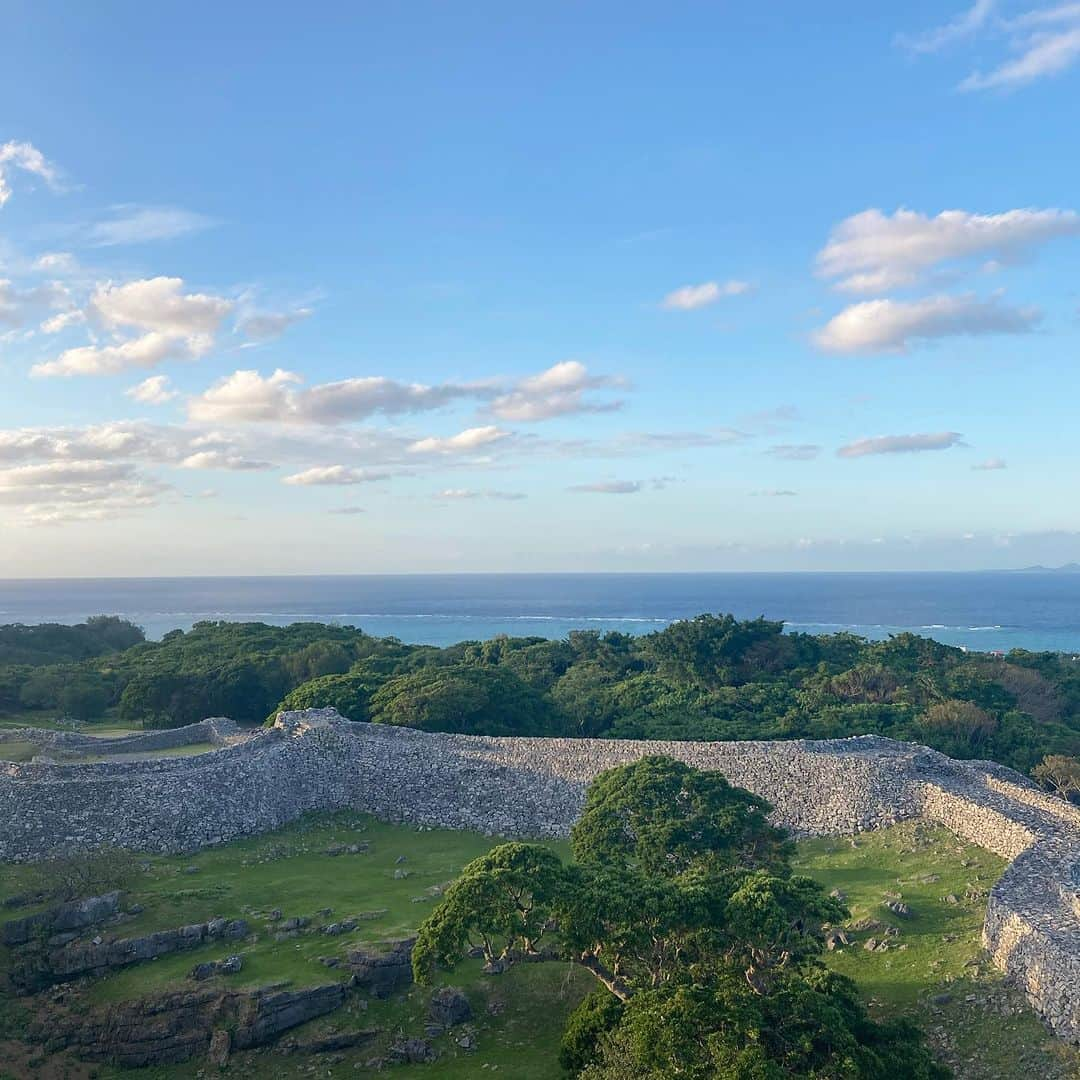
(450, 1007)
(176, 1027)
(66, 918)
(35, 968)
(535, 787)
(383, 973)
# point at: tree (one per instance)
(812, 1025)
(683, 907)
(709, 650)
(1059, 774)
(350, 694)
(664, 817)
(462, 698)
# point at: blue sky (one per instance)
(377, 288)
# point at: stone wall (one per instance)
(535, 787)
(217, 730)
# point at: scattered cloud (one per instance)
(175, 325)
(267, 325)
(57, 323)
(219, 459)
(965, 25)
(27, 158)
(692, 297)
(463, 442)
(794, 451)
(558, 391)
(334, 476)
(130, 224)
(56, 262)
(774, 493)
(455, 494)
(1046, 41)
(147, 351)
(901, 444)
(17, 305)
(152, 391)
(160, 304)
(990, 465)
(248, 397)
(874, 252)
(608, 487)
(881, 326)
(347, 511)
(62, 491)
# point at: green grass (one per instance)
(17, 751)
(109, 726)
(291, 871)
(143, 755)
(934, 971)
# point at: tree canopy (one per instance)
(703, 942)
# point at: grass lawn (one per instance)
(17, 751)
(932, 970)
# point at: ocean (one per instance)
(983, 611)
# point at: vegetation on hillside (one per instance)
(713, 677)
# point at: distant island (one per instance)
(1065, 568)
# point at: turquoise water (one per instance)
(984, 611)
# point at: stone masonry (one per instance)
(315, 760)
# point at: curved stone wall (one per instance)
(535, 787)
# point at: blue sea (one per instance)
(983, 611)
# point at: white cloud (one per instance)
(901, 444)
(463, 442)
(558, 391)
(990, 465)
(63, 491)
(691, 297)
(335, 476)
(175, 325)
(876, 326)
(266, 325)
(56, 262)
(147, 351)
(455, 494)
(152, 391)
(160, 304)
(56, 323)
(24, 156)
(348, 511)
(60, 473)
(794, 451)
(963, 26)
(220, 459)
(774, 493)
(875, 252)
(138, 224)
(16, 304)
(1048, 43)
(247, 396)
(608, 487)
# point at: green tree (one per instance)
(664, 817)
(682, 905)
(463, 698)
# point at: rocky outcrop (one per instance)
(384, 972)
(67, 918)
(176, 1027)
(36, 966)
(314, 760)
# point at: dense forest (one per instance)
(713, 677)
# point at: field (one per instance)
(932, 968)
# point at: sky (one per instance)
(379, 288)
